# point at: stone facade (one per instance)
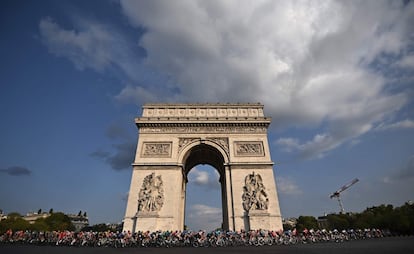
(173, 138)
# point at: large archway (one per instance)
(202, 154)
(173, 138)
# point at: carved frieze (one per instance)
(223, 142)
(205, 129)
(151, 195)
(251, 148)
(183, 142)
(254, 193)
(156, 149)
(204, 110)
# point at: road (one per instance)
(377, 246)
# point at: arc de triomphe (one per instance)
(173, 138)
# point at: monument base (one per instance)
(262, 220)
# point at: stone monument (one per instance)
(174, 138)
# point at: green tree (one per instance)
(407, 214)
(308, 222)
(338, 221)
(15, 222)
(362, 221)
(59, 221)
(287, 226)
(40, 225)
(14, 215)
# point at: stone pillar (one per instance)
(154, 206)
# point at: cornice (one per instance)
(200, 122)
(202, 110)
(201, 105)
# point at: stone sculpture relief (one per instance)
(254, 195)
(151, 195)
(249, 149)
(203, 129)
(157, 149)
(183, 142)
(223, 142)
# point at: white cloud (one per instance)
(203, 217)
(309, 62)
(97, 46)
(133, 94)
(201, 210)
(322, 143)
(90, 47)
(288, 144)
(404, 124)
(204, 178)
(201, 177)
(407, 62)
(287, 186)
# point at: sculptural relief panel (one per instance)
(183, 142)
(254, 193)
(151, 194)
(222, 142)
(249, 148)
(156, 149)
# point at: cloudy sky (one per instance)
(335, 76)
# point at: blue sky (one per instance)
(335, 76)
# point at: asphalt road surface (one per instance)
(377, 246)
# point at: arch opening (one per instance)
(205, 182)
(204, 154)
(203, 208)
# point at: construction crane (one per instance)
(337, 194)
